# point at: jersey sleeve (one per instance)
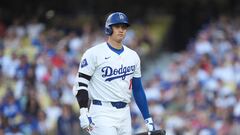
(85, 71)
(137, 72)
(87, 64)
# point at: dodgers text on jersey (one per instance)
(110, 74)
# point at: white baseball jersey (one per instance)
(110, 72)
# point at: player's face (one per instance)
(119, 32)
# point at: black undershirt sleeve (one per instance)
(82, 98)
(82, 95)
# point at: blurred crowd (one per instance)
(199, 92)
(38, 65)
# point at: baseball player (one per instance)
(108, 75)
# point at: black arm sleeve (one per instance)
(82, 98)
(82, 94)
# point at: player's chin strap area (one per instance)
(155, 132)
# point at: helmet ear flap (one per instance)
(108, 30)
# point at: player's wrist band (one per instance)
(83, 110)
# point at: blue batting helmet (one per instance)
(115, 18)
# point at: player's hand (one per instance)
(86, 120)
(149, 124)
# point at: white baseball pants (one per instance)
(109, 120)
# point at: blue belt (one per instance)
(118, 104)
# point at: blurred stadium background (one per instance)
(190, 51)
